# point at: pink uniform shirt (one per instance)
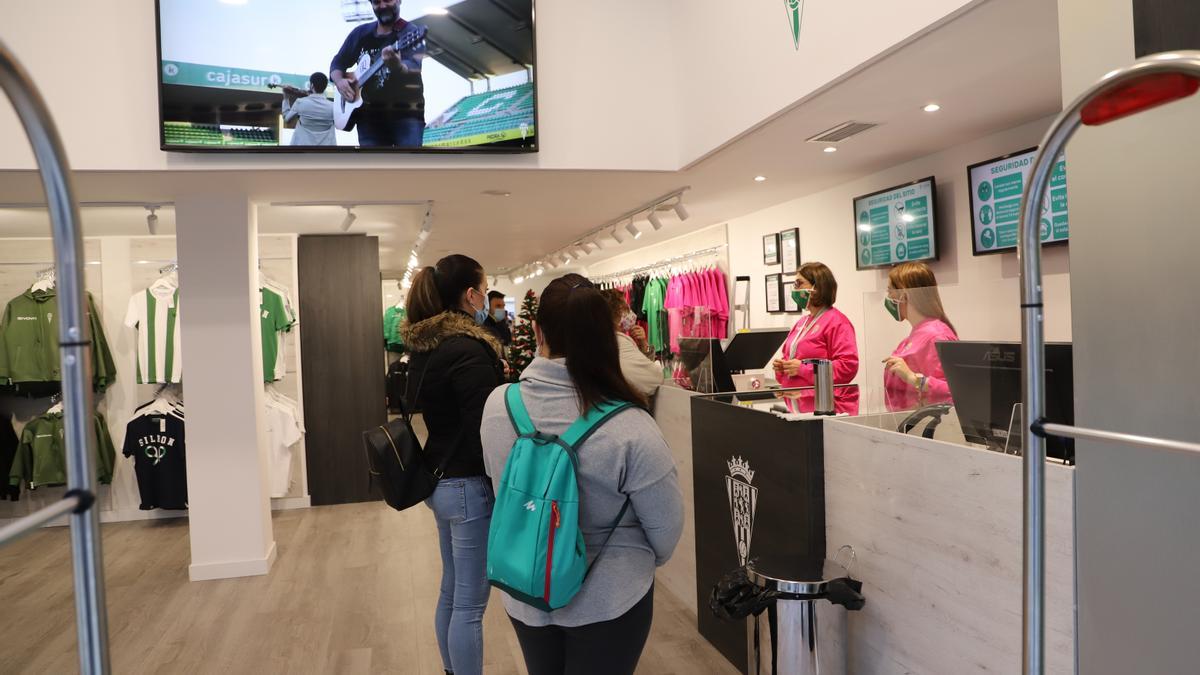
(828, 336)
(919, 351)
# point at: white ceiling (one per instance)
(983, 84)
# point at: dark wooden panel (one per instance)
(787, 494)
(1165, 25)
(341, 338)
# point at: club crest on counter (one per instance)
(743, 501)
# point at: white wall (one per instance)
(656, 253)
(624, 84)
(740, 66)
(1132, 186)
(980, 293)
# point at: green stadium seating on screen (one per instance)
(477, 115)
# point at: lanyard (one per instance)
(805, 330)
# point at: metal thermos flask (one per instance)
(822, 386)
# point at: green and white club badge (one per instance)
(795, 11)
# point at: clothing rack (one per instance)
(667, 262)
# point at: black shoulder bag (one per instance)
(396, 460)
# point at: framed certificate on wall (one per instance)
(789, 305)
(789, 250)
(771, 249)
(774, 284)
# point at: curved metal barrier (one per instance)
(1150, 82)
(91, 614)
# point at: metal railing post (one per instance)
(1118, 94)
(74, 339)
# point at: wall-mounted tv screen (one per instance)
(347, 75)
(996, 188)
(896, 225)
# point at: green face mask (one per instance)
(892, 307)
(801, 297)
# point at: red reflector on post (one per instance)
(1134, 97)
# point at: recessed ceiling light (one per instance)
(497, 193)
(759, 179)
(932, 107)
(830, 148)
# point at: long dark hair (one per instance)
(439, 288)
(577, 324)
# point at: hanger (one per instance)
(44, 280)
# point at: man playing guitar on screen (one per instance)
(393, 110)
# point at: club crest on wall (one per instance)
(795, 11)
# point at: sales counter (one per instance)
(936, 525)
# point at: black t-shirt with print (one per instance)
(156, 443)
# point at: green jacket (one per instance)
(42, 459)
(392, 320)
(29, 341)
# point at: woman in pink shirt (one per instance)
(913, 374)
(821, 333)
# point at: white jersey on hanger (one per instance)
(154, 314)
(284, 430)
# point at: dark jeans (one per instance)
(400, 132)
(606, 648)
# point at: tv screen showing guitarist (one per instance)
(392, 112)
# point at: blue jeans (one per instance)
(399, 132)
(463, 510)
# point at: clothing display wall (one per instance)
(677, 303)
(136, 315)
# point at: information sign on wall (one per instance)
(896, 225)
(996, 188)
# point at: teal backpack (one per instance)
(535, 551)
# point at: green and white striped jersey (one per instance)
(154, 314)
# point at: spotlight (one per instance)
(413, 262)
(830, 149)
(349, 220)
(932, 108)
(616, 235)
(406, 284)
(597, 242)
(539, 272)
(632, 229)
(518, 279)
(566, 259)
(759, 179)
(681, 210)
(655, 221)
(152, 219)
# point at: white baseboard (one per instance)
(233, 569)
(287, 503)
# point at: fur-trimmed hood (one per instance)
(428, 335)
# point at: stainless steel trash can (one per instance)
(803, 632)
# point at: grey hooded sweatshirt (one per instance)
(626, 457)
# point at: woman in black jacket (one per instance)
(455, 365)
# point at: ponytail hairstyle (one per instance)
(921, 284)
(440, 288)
(576, 323)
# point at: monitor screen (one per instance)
(347, 75)
(985, 383)
(752, 350)
(896, 225)
(996, 189)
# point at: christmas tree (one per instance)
(524, 344)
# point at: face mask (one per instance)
(627, 322)
(800, 297)
(893, 308)
(499, 314)
(481, 314)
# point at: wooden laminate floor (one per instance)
(353, 591)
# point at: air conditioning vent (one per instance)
(841, 132)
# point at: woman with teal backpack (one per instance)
(582, 606)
